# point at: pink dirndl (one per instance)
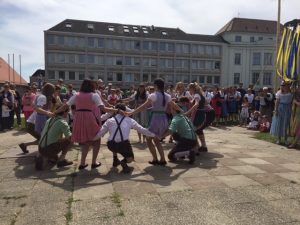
(85, 126)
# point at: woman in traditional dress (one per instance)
(43, 105)
(282, 113)
(86, 124)
(158, 121)
(140, 97)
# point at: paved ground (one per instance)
(240, 181)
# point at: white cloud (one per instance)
(22, 22)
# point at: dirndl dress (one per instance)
(281, 121)
(158, 121)
(85, 124)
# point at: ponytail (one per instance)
(164, 98)
(160, 84)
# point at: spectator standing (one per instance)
(265, 102)
(28, 102)
(282, 113)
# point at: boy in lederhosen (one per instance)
(119, 128)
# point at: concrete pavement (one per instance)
(240, 180)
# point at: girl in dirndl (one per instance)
(85, 123)
(159, 101)
(197, 112)
(43, 105)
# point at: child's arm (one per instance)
(106, 116)
(140, 129)
(102, 131)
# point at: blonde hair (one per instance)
(179, 85)
(197, 89)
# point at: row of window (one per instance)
(256, 59)
(266, 78)
(132, 77)
(238, 38)
(59, 58)
(119, 44)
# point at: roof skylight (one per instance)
(111, 29)
(90, 26)
(68, 25)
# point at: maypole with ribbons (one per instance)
(288, 56)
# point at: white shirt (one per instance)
(32, 118)
(153, 97)
(41, 100)
(5, 111)
(184, 94)
(127, 124)
(95, 98)
(250, 97)
(208, 96)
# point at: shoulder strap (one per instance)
(118, 129)
(189, 123)
(51, 123)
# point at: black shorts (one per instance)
(30, 130)
(210, 117)
(182, 145)
(51, 151)
(124, 148)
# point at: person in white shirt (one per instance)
(30, 124)
(207, 94)
(119, 128)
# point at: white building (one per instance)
(250, 55)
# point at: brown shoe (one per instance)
(23, 148)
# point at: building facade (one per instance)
(251, 52)
(126, 55)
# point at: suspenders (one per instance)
(118, 129)
(189, 123)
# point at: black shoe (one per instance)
(81, 167)
(39, 161)
(202, 149)
(64, 163)
(153, 162)
(94, 166)
(162, 163)
(23, 148)
(192, 156)
(116, 162)
(126, 168)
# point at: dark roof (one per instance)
(38, 73)
(82, 26)
(250, 26)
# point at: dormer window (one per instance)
(126, 30)
(125, 27)
(90, 26)
(112, 29)
(136, 31)
(164, 33)
(68, 25)
(146, 32)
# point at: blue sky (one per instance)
(22, 22)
